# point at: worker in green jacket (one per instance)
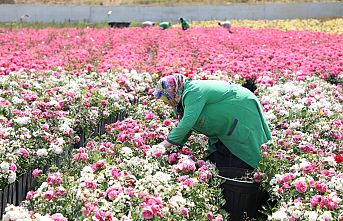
(184, 24)
(228, 114)
(164, 25)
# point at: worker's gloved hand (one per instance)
(166, 144)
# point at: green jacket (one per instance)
(185, 24)
(223, 111)
(164, 25)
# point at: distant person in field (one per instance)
(148, 24)
(225, 24)
(164, 25)
(184, 24)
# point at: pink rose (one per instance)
(209, 215)
(45, 127)
(13, 167)
(172, 158)
(115, 173)
(166, 123)
(104, 103)
(90, 185)
(300, 186)
(36, 173)
(147, 213)
(30, 194)
(288, 132)
(158, 153)
(184, 212)
(58, 217)
(201, 163)
(23, 152)
(50, 194)
(113, 191)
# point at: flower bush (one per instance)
(41, 114)
(302, 165)
(124, 176)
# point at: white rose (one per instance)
(325, 216)
(312, 215)
(39, 217)
(4, 166)
(13, 213)
(100, 178)
(42, 152)
(280, 215)
(126, 152)
(17, 100)
(177, 202)
(56, 148)
(331, 161)
(11, 177)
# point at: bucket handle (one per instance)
(240, 181)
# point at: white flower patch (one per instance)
(279, 215)
(17, 100)
(326, 216)
(156, 150)
(311, 215)
(177, 202)
(126, 152)
(336, 183)
(13, 213)
(5, 167)
(42, 152)
(22, 120)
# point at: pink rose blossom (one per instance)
(58, 217)
(209, 215)
(23, 152)
(36, 173)
(13, 167)
(184, 212)
(50, 194)
(300, 186)
(147, 212)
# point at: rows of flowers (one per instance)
(303, 164)
(333, 26)
(301, 168)
(247, 52)
(124, 175)
(41, 115)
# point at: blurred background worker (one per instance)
(225, 24)
(184, 24)
(148, 24)
(164, 25)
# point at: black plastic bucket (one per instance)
(244, 199)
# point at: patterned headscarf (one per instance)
(170, 88)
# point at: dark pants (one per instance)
(223, 157)
(240, 198)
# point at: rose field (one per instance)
(78, 116)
